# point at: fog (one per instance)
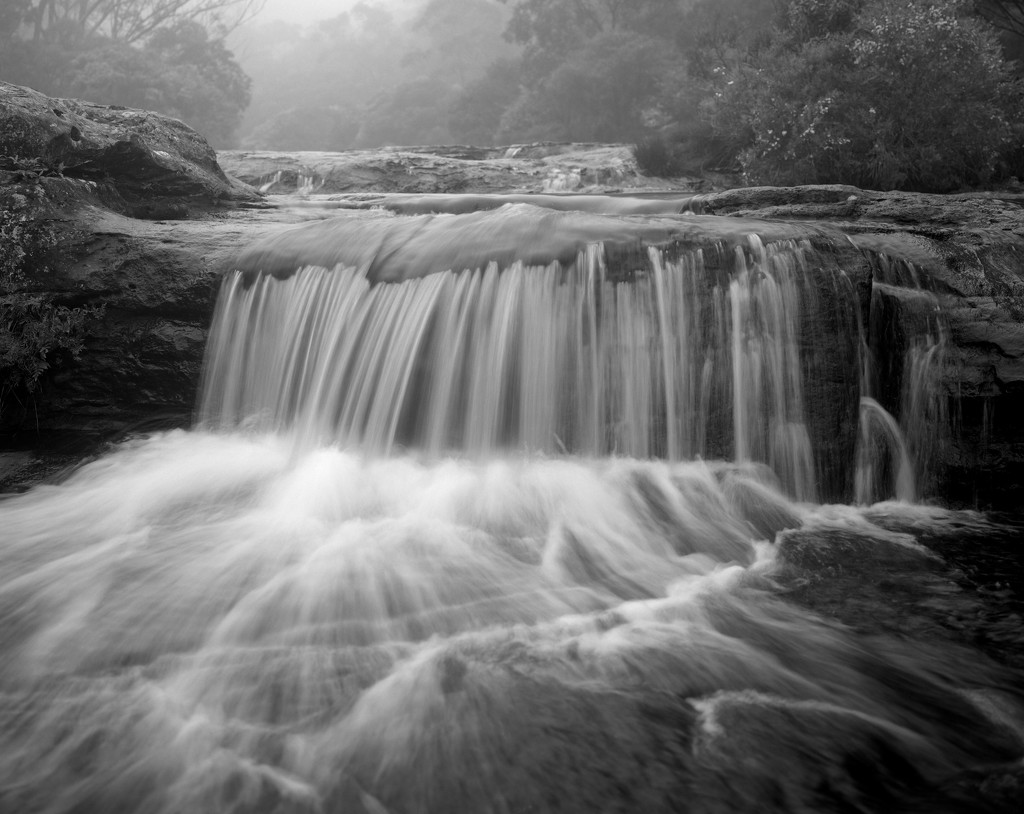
(332, 76)
(304, 12)
(778, 91)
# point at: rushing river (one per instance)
(500, 539)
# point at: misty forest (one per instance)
(471, 406)
(810, 91)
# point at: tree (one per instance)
(543, 23)
(162, 55)
(12, 16)
(182, 73)
(455, 40)
(861, 92)
(475, 113)
(550, 29)
(412, 113)
(127, 21)
(601, 92)
(1006, 15)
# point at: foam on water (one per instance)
(228, 622)
(421, 557)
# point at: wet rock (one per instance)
(87, 195)
(969, 249)
(152, 165)
(523, 168)
(154, 285)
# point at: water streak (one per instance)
(534, 358)
(450, 538)
(213, 622)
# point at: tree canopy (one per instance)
(164, 55)
(879, 93)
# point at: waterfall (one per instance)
(904, 416)
(514, 510)
(536, 358)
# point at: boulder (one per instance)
(100, 213)
(141, 163)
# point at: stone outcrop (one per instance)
(136, 162)
(100, 210)
(969, 248)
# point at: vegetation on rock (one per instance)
(37, 333)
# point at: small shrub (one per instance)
(26, 170)
(36, 333)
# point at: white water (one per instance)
(219, 622)
(530, 358)
(381, 585)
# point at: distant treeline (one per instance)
(916, 94)
(163, 55)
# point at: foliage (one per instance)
(30, 169)
(556, 24)
(456, 40)
(106, 52)
(1007, 15)
(861, 93)
(549, 30)
(182, 73)
(36, 333)
(72, 22)
(475, 112)
(603, 91)
(412, 113)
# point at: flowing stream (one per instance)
(501, 535)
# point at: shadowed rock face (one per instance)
(95, 186)
(142, 163)
(969, 248)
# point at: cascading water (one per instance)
(530, 358)
(903, 366)
(452, 540)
